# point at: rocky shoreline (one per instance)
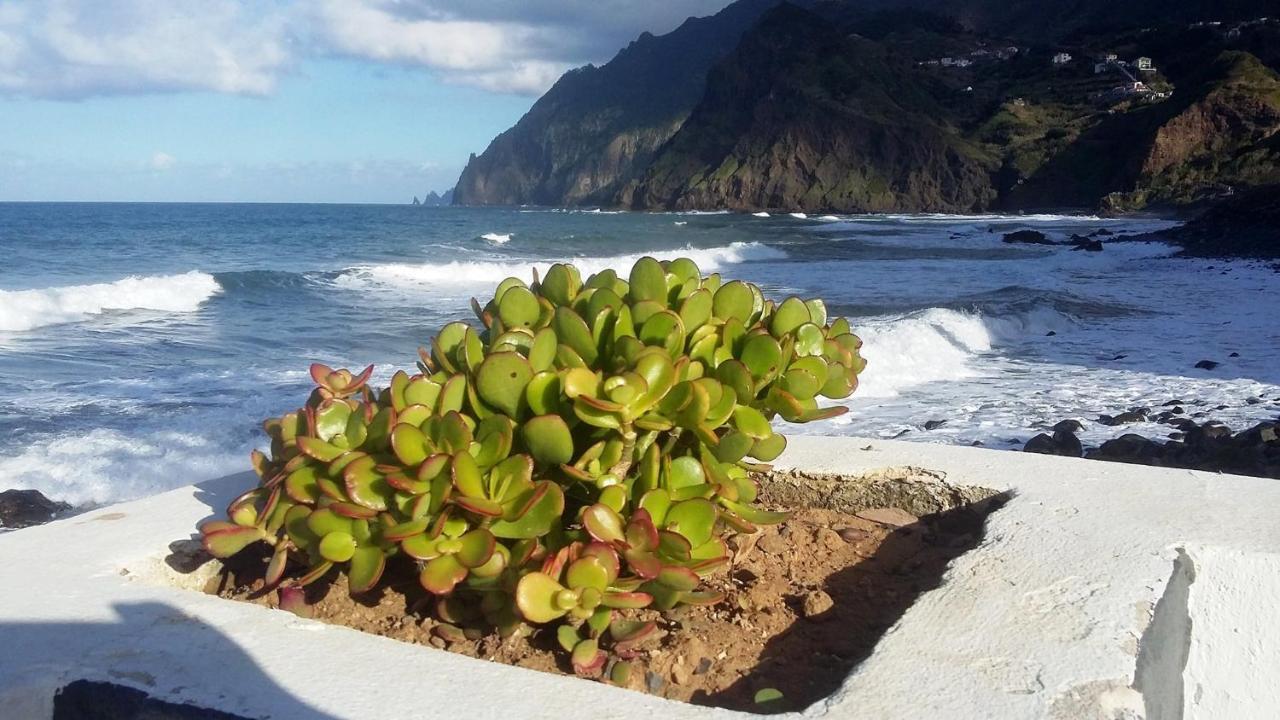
(24, 508)
(1208, 445)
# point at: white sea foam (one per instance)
(27, 309)
(428, 275)
(105, 465)
(761, 214)
(496, 238)
(940, 344)
(829, 218)
(681, 222)
(799, 216)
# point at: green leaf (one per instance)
(561, 284)
(365, 485)
(791, 314)
(319, 449)
(324, 521)
(548, 439)
(542, 353)
(518, 307)
(337, 547)
(301, 485)
(225, 542)
(762, 355)
(685, 471)
(587, 572)
(678, 578)
(476, 548)
(536, 595)
(754, 514)
(409, 444)
(502, 378)
(648, 281)
(694, 519)
(733, 299)
(603, 523)
(422, 391)
(541, 508)
(367, 565)
(466, 475)
(441, 575)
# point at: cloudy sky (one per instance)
(282, 100)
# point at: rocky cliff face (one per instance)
(832, 107)
(803, 117)
(590, 132)
(1229, 135)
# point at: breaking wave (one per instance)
(469, 272)
(28, 309)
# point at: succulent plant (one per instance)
(581, 453)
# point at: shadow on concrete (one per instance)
(124, 670)
(814, 657)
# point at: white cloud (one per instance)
(161, 161)
(77, 48)
(70, 49)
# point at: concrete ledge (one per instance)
(1051, 617)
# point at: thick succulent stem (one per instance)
(623, 466)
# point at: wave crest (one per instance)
(22, 310)
(471, 272)
(940, 344)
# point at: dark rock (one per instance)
(1234, 354)
(1063, 442)
(1130, 448)
(1028, 237)
(934, 424)
(653, 681)
(1088, 245)
(900, 433)
(1119, 357)
(1101, 232)
(1042, 444)
(1124, 418)
(1207, 364)
(1253, 401)
(1051, 333)
(1068, 444)
(24, 508)
(1071, 426)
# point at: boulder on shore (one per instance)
(1028, 237)
(24, 508)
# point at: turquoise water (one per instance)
(141, 345)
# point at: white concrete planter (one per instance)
(1100, 591)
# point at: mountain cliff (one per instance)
(844, 106)
(590, 132)
(802, 117)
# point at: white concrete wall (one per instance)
(1051, 617)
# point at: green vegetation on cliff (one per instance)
(842, 106)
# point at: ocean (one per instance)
(141, 345)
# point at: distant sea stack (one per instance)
(909, 106)
(435, 199)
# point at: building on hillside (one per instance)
(1062, 58)
(1144, 64)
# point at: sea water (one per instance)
(142, 345)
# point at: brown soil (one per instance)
(805, 602)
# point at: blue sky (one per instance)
(284, 101)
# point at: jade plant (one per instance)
(583, 452)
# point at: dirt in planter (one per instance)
(805, 602)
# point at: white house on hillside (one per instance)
(1062, 58)
(1144, 64)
